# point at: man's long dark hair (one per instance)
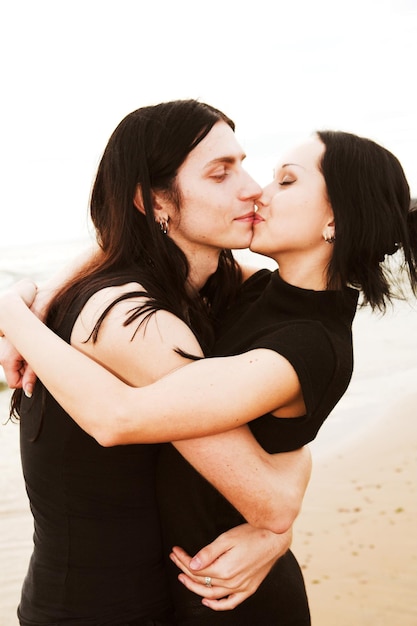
(147, 148)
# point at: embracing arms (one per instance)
(214, 399)
(266, 489)
(210, 396)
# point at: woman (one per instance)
(274, 313)
(338, 205)
(97, 555)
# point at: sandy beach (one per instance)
(15, 518)
(356, 537)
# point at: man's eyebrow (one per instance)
(225, 159)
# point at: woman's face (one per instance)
(294, 212)
(217, 196)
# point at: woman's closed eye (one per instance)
(287, 180)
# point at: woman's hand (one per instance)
(18, 374)
(234, 564)
(14, 366)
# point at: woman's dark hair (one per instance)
(147, 148)
(370, 198)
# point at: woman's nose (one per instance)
(264, 197)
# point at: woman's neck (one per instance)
(303, 272)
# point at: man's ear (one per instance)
(159, 211)
(157, 200)
(138, 199)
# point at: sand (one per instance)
(356, 537)
(15, 519)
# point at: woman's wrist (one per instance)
(23, 293)
(8, 302)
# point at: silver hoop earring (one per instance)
(163, 224)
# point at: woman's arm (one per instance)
(280, 485)
(17, 372)
(273, 484)
(267, 489)
(208, 397)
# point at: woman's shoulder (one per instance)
(254, 285)
(249, 271)
(254, 277)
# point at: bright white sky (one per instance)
(71, 69)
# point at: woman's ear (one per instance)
(329, 231)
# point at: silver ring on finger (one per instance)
(207, 581)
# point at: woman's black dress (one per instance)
(313, 331)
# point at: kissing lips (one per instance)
(248, 217)
(257, 219)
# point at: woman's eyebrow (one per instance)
(284, 165)
(293, 164)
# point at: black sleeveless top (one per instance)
(97, 556)
(313, 331)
